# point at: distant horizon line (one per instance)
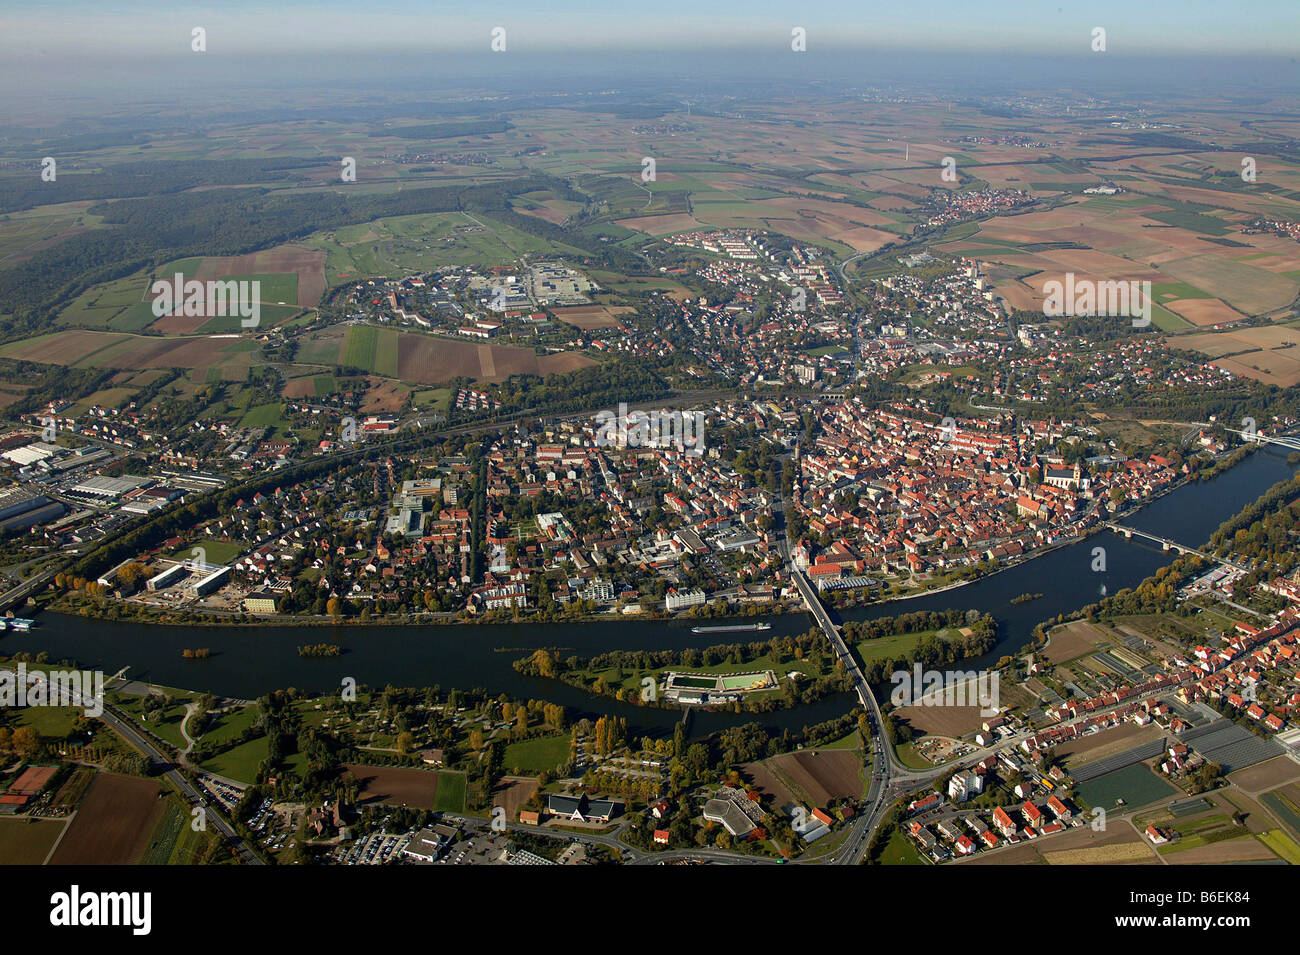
(749, 48)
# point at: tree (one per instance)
(26, 742)
(131, 573)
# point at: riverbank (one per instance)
(1085, 533)
(248, 661)
(217, 618)
(205, 617)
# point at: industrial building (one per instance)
(211, 582)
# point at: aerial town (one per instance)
(586, 446)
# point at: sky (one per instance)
(135, 28)
(97, 56)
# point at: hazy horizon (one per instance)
(91, 61)
(107, 88)
(1158, 27)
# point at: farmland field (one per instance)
(513, 793)
(114, 824)
(429, 359)
(535, 755)
(812, 779)
(1118, 844)
(1072, 640)
(394, 785)
(405, 244)
(112, 350)
(588, 317)
(27, 841)
(1136, 785)
(450, 796)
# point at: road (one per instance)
(888, 776)
(632, 856)
(16, 595)
(122, 725)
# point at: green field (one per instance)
(268, 316)
(21, 230)
(275, 288)
(1282, 844)
(262, 416)
(373, 350)
(1282, 808)
(1192, 221)
(887, 648)
(52, 721)
(423, 243)
(1135, 784)
(107, 306)
(437, 400)
(123, 304)
(227, 726)
(451, 792)
(242, 762)
(631, 677)
(534, 755)
(216, 551)
(27, 841)
(170, 828)
(363, 343)
(900, 850)
(1166, 320)
(1205, 837)
(1172, 290)
(168, 728)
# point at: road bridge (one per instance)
(1130, 532)
(1258, 437)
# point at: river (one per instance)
(249, 661)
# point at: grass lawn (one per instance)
(240, 763)
(437, 400)
(851, 741)
(909, 757)
(263, 416)
(900, 851)
(534, 755)
(1282, 844)
(53, 721)
(450, 796)
(168, 728)
(886, 648)
(27, 841)
(227, 726)
(780, 666)
(215, 551)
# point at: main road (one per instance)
(889, 777)
(124, 728)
